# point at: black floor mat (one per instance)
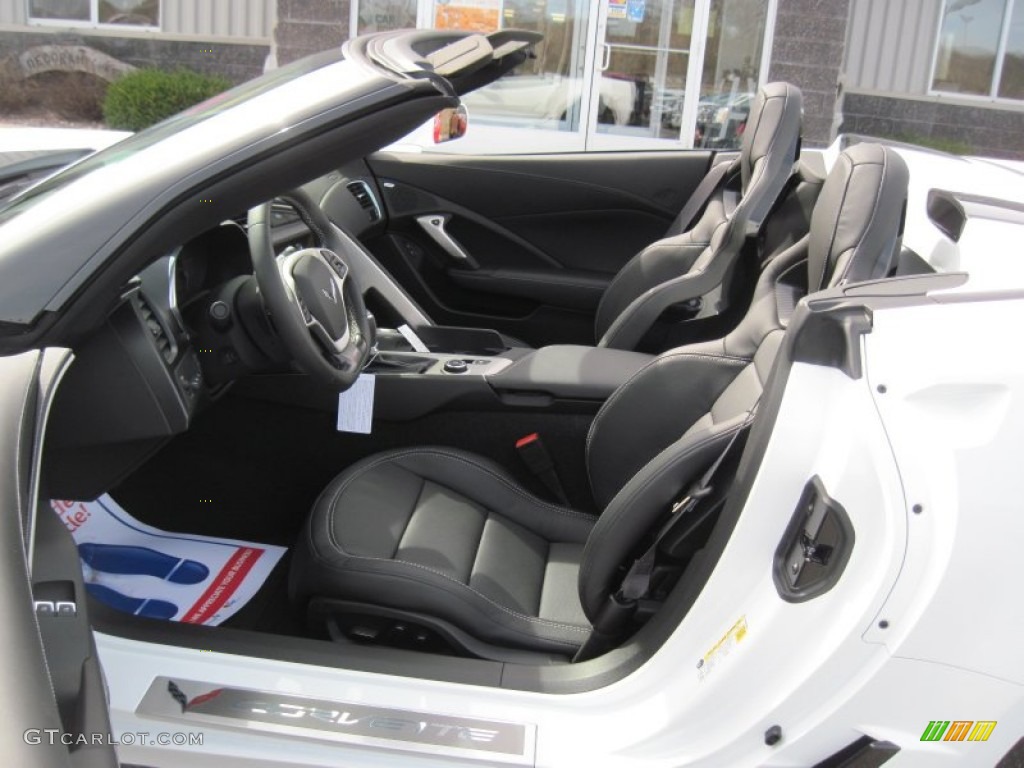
(270, 610)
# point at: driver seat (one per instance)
(442, 539)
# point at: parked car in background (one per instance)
(721, 119)
(28, 155)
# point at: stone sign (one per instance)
(71, 58)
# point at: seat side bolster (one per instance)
(660, 264)
(640, 504)
(706, 273)
(652, 409)
(663, 260)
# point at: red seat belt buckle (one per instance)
(537, 459)
(522, 442)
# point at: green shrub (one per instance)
(950, 146)
(147, 96)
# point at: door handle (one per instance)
(434, 225)
(606, 59)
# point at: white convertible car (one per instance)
(321, 454)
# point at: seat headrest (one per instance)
(770, 145)
(857, 223)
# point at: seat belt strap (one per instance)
(637, 581)
(700, 197)
(537, 459)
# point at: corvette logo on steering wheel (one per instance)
(333, 295)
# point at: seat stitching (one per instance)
(874, 213)
(412, 513)
(402, 454)
(544, 577)
(479, 544)
(331, 537)
(624, 317)
(835, 229)
(564, 511)
(445, 576)
(620, 392)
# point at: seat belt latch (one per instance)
(535, 455)
(686, 503)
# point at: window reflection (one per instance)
(646, 55)
(732, 64)
(1011, 84)
(544, 92)
(76, 10)
(145, 13)
(139, 12)
(966, 57)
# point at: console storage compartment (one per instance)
(569, 372)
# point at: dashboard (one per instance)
(187, 326)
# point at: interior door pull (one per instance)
(434, 226)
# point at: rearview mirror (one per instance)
(450, 124)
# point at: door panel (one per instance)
(538, 237)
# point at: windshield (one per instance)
(183, 120)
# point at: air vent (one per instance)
(361, 192)
(160, 337)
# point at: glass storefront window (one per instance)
(643, 78)
(732, 70)
(544, 92)
(619, 74)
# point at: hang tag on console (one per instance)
(355, 406)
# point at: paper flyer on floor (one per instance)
(148, 572)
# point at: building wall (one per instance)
(890, 45)
(12, 11)
(309, 26)
(252, 19)
(810, 37)
(958, 128)
(248, 20)
(236, 61)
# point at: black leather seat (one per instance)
(701, 252)
(445, 538)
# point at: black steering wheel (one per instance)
(312, 296)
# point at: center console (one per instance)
(435, 366)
